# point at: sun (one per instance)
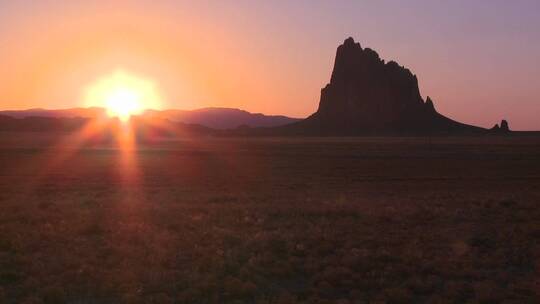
(123, 95)
(122, 102)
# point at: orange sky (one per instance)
(479, 63)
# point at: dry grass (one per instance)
(272, 221)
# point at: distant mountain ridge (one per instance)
(216, 118)
(102, 131)
(223, 118)
(90, 112)
(41, 123)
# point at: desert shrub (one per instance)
(54, 295)
(30, 300)
(2, 295)
(6, 245)
(161, 298)
(234, 288)
(8, 277)
(487, 292)
(398, 295)
(507, 203)
(131, 298)
(423, 285)
(459, 291)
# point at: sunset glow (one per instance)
(479, 60)
(123, 95)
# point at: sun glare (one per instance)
(122, 95)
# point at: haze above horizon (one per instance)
(480, 61)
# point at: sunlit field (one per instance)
(269, 220)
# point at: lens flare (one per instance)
(122, 95)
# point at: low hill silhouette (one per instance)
(41, 123)
(91, 112)
(142, 127)
(216, 118)
(222, 118)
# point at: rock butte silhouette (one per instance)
(368, 96)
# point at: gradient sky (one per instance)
(479, 60)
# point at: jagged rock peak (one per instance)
(429, 104)
(504, 126)
(350, 42)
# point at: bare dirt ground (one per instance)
(270, 220)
